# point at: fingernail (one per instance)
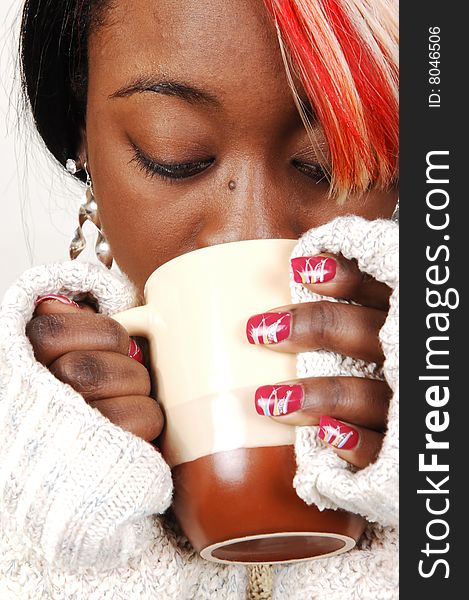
(135, 351)
(268, 328)
(337, 434)
(277, 400)
(313, 269)
(62, 299)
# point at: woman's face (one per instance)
(193, 137)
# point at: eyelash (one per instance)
(312, 170)
(169, 171)
(175, 171)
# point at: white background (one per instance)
(38, 201)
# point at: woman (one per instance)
(198, 123)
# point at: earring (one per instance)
(88, 212)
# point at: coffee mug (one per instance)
(232, 468)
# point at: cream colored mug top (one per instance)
(195, 314)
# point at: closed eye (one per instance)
(312, 170)
(184, 170)
(168, 170)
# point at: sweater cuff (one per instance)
(322, 477)
(80, 489)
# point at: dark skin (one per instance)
(220, 124)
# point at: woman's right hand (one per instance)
(90, 352)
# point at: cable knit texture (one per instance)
(323, 478)
(81, 500)
(369, 571)
(78, 495)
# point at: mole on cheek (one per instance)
(232, 184)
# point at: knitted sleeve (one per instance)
(322, 477)
(78, 489)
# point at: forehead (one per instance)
(218, 41)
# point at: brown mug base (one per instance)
(275, 548)
(240, 506)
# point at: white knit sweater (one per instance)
(81, 499)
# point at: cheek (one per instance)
(372, 205)
(143, 237)
(141, 219)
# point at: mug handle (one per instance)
(135, 320)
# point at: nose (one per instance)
(249, 205)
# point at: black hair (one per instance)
(54, 68)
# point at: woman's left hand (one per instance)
(351, 411)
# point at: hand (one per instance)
(90, 352)
(351, 411)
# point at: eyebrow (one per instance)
(167, 87)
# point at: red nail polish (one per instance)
(313, 269)
(62, 299)
(337, 434)
(268, 328)
(277, 400)
(135, 351)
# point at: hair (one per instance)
(344, 52)
(54, 68)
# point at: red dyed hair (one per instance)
(345, 54)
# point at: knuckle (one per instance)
(139, 414)
(44, 328)
(324, 319)
(144, 378)
(153, 418)
(82, 370)
(117, 335)
(336, 394)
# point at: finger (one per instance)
(364, 402)
(97, 375)
(53, 335)
(357, 445)
(140, 415)
(339, 277)
(57, 304)
(344, 328)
